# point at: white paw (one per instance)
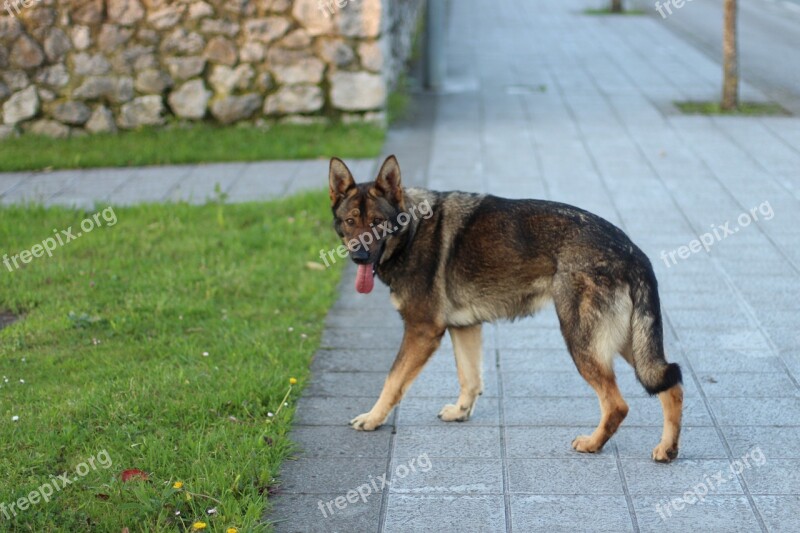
(454, 413)
(365, 422)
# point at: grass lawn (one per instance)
(161, 346)
(744, 109)
(203, 143)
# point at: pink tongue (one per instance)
(364, 279)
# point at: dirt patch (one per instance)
(7, 318)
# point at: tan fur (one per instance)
(672, 404)
(469, 363)
(419, 343)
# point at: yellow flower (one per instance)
(188, 496)
(292, 381)
(231, 530)
(177, 485)
(199, 525)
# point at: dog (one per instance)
(478, 258)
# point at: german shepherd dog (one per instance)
(479, 258)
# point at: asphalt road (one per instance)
(769, 41)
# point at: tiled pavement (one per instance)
(241, 182)
(544, 102)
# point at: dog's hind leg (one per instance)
(613, 408)
(595, 325)
(469, 361)
(419, 343)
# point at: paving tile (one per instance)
(329, 474)
(696, 340)
(9, 180)
(323, 411)
(586, 412)
(262, 181)
(200, 185)
(571, 384)
(596, 474)
(447, 476)
(534, 340)
(414, 513)
(780, 513)
(310, 513)
(570, 513)
(645, 476)
(92, 187)
(438, 384)
(342, 384)
(756, 411)
(735, 361)
(340, 441)
(354, 360)
(548, 442)
(460, 440)
(695, 443)
(749, 385)
(551, 411)
(779, 442)
(523, 361)
(383, 339)
(39, 188)
(149, 185)
(714, 513)
(773, 476)
(423, 411)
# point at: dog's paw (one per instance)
(664, 454)
(586, 444)
(365, 422)
(454, 413)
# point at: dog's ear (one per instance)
(388, 182)
(340, 180)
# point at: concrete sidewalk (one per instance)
(241, 182)
(545, 102)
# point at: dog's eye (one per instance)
(350, 222)
(377, 221)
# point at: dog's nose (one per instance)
(360, 255)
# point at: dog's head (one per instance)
(365, 214)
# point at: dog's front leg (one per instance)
(419, 343)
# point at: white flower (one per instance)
(22, 381)
(205, 354)
(270, 415)
(14, 418)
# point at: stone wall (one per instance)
(74, 66)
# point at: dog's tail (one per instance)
(647, 336)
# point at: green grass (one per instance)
(202, 143)
(397, 107)
(111, 346)
(744, 109)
